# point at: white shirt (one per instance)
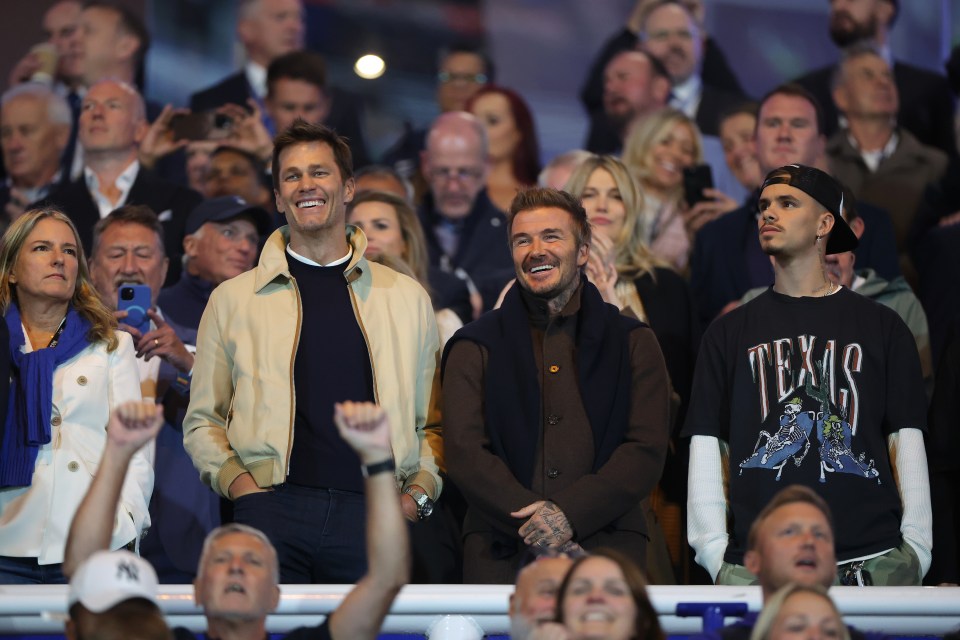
(873, 158)
(686, 96)
(257, 77)
(124, 183)
(305, 260)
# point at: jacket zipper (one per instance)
(366, 341)
(293, 359)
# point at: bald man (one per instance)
(534, 599)
(466, 233)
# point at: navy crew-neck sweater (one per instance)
(332, 365)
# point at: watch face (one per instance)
(426, 509)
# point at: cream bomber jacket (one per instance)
(242, 398)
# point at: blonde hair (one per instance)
(633, 257)
(645, 136)
(771, 609)
(415, 256)
(85, 299)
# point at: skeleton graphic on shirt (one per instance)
(833, 425)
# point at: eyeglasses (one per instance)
(462, 174)
(665, 34)
(475, 78)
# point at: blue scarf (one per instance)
(31, 395)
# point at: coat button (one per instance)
(55, 421)
(552, 419)
(554, 368)
(82, 380)
(553, 473)
(73, 466)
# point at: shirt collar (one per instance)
(686, 95)
(874, 158)
(257, 77)
(35, 194)
(299, 258)
(886, 54)
(124, 183)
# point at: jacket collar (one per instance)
(273, 259)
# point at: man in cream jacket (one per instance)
(312, 324)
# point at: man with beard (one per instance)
(713, 68)
(635, 84)
(558, 472)
(926, 108)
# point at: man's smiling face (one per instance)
(311, 191)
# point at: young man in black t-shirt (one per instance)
(810, 384)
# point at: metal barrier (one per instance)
(894, 610)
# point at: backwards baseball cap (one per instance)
(226, 208)
(108, 578)
(825, 190)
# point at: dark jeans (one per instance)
(27, 571)
(319, 533)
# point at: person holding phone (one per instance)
(112, 126)
(657, 151)
(127, 267)
(69, 367)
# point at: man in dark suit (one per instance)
(926, 104)
(727, 261)
(34, 130)
(267, 29)
(466, 233)
(128, 248)
(635, 84)
(672, 35)
(556, 407)
(112, 124)
(697, 68)
(297, 88)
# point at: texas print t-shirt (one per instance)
(805, 391)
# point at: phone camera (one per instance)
(126, 293)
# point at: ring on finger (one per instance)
(156, 342)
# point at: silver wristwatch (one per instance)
(424, 503)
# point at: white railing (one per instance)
(894, 610)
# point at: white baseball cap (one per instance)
(107, 578)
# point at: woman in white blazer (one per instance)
(69, 367)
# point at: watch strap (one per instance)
(380, 467)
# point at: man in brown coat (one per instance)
(556, 406)
(882, 163)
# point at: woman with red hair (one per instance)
(512, 149)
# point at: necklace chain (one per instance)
(828, 285)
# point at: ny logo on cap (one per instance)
(128, 571)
